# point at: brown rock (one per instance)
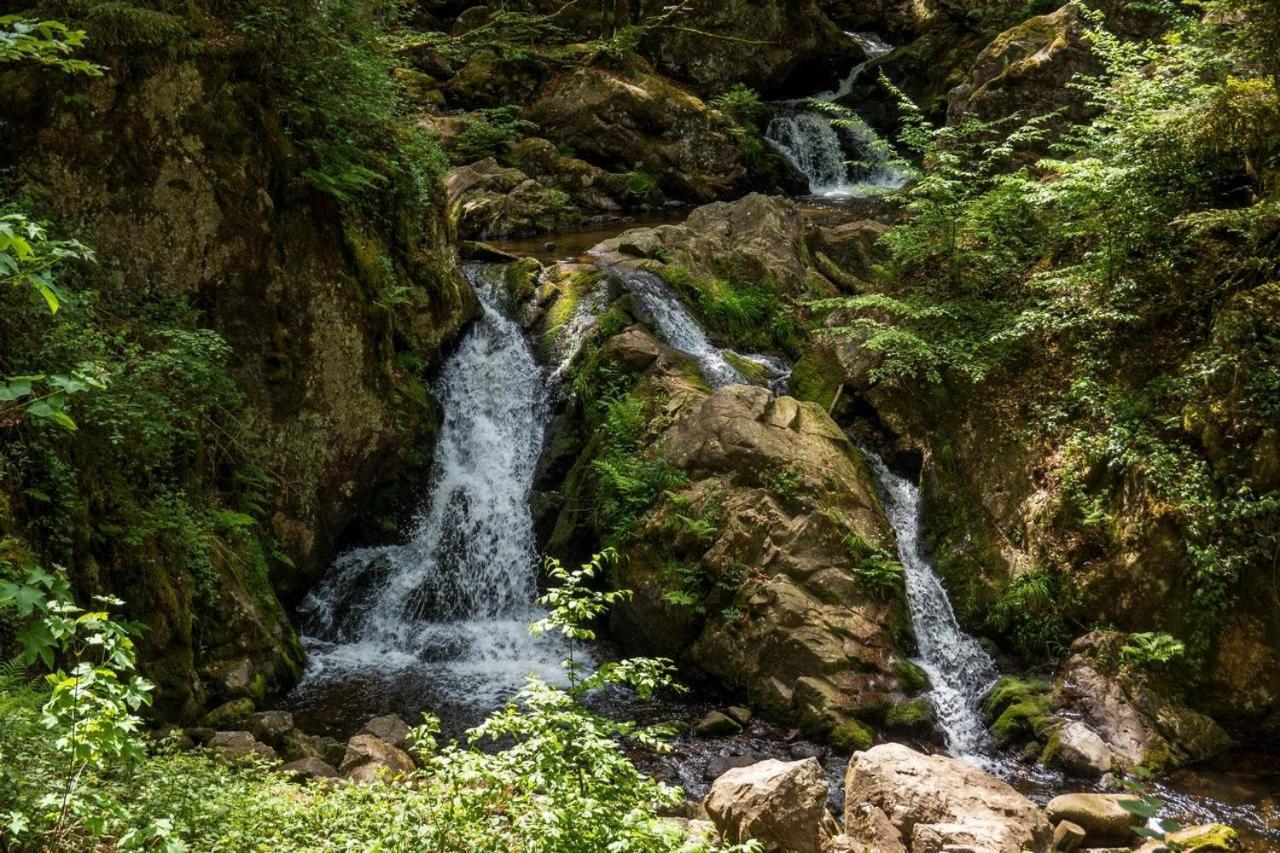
(1067, 836)
(309, 768)
(236, 746)
(369, 757)
(938, 801)
(782, 805)
(389, 728)
(1101, 817)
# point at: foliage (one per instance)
(741, 104)
(489, 132)
(541, 774)
(877, 569)
(1034, 613)
(1112, 265)
(641, 184)
(746, 314)
(48, 43)
(1152, 649)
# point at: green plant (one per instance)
(1151, 649)
(490, 132)
(641, 184)
(45, 43)
(785, 482)
(877, 569)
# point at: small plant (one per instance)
(490, 132)
(1149, 649)
(786, 482)
(641, 184)
(877, 569)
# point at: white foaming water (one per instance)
(451, 605)
(816, 145)
(960, 671)
(679, 329)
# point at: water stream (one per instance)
(960, 671)
(819, 142)
(442, 618)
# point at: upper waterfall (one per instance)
(818, 142)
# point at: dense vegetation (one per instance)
(1141, 252)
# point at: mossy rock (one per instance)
(230, 714)
(816, 378)
(1020, 709)
(911, 678)
(851, 736)
(912, 717)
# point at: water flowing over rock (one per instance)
(960, 671)
(818, 141)
(450, 606)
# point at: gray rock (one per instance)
(782, 805)
(389, 728)
(721, 764)
(1082, 752)
(716, 724)
(369, 757)
(271, 726)
(1101, 816)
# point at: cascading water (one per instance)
(447, 612)
(817, 143)
(679, 329)
(960, 671)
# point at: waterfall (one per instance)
(960, 671)
(680, 330)
(816, 142)
(449, 608)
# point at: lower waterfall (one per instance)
(447, 611)
(960, 671)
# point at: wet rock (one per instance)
(632, 351)
(935, 800)
(782, 805)
(271, 726)
(389, 728)
(1067, 836)
(488, 200)
(716, 724)
(740, 715)
(1099, 815)
(368, 757)
(309, 768)
(238, 745)
(1081, 751)
(1206, 838)
(233, 713)
(721, 764)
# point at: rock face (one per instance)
(782, 805)
(1125, 721)
(757, 43)
(898, 799)
(640, 120)
(788, 619)
(179, 175)
(1026, 70)
(488, 200)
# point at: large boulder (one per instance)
(782, 805)
(1140, 722)
(923, 803)
(781, 608)
(488, 200)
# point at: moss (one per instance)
(816, 378)
(753, 370)
(910, 716)
(911, 678)
(851, 736)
